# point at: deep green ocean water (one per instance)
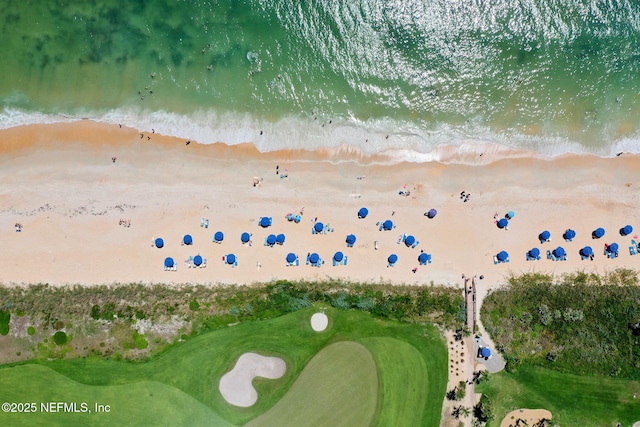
(547, 75)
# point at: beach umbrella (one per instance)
(168, 262)
(586, 251)
(231, 258)
(613, 248)
(313, 258)
(159, 242)
(363, 212)
(545, 235)
(265, 222)
(511, 214)
(627, 229)
(351, 239)
(485, 352)
(502, 256)
(502, 223)
(598, 233)
(290, 217)
(187, 239)
(297, 218)
(218, 236)
(338, 256)
(318, 227)
(432, 213)
(534, 253)
(423, 258)
(559, 252)
(280, 238)
(271, 239)
(569, 234)
(393, 258)
(410, 240)
(245, 237)
(291, 257)
(387, 225)
(197, 260)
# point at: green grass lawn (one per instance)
(193, 368)
(573, 400)
(339, 387)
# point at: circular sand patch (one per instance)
(235, 386)
(531, 416)
(319, 322)
(636, 424)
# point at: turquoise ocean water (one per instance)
(550, 76)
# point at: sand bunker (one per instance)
(319, 322)
(531, 416)
(236, 385)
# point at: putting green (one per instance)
(339, 387)
(141, 403)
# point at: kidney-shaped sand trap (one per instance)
(319, 322)
(236, 386)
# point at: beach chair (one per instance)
(308, 258)
(633, 250)
(235, 264)
(415, 244)
(265, 242)
(206, 223)
(175, 267)
(549, 255)
(201, 222)
(380, 229)
(428, 258)
(313, 230)
(495, 260)
(204, 263)
(344, 260)
(334, 262)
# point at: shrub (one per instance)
(194, 305)
(139, 341)
(5, 317)
(60, 338)
(31, 330)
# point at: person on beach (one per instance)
(277, 169)
(187, 143)
(462, 194)
(113, 159)
(414, 270)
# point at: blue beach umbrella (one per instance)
(245, 237)
(297, 218)
(485, 352)
(586, 251)
(598, 233)
(265, 222)
(351, 239)
(387, 225)
(338, 256)
(159, 242)
(218, 236)
(280, 238)
(423, 258)
(613, 248)
(393, 258)
(502, 256)
(231, 258)
(313, 258)
(271, 239)
(187, 239)
(534, 253)
(502, 223)
(569, 234)
(432, 213)
(318, 227)
(168, 262)
(627, 229)
(410, 240)
(545, 235)
(197, 260)
(559, 252)
(291, 257)
(363, 212)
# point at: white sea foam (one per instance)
(391, 140)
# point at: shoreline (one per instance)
(59, 182)
(367, 142)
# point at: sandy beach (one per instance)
(60, 183)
